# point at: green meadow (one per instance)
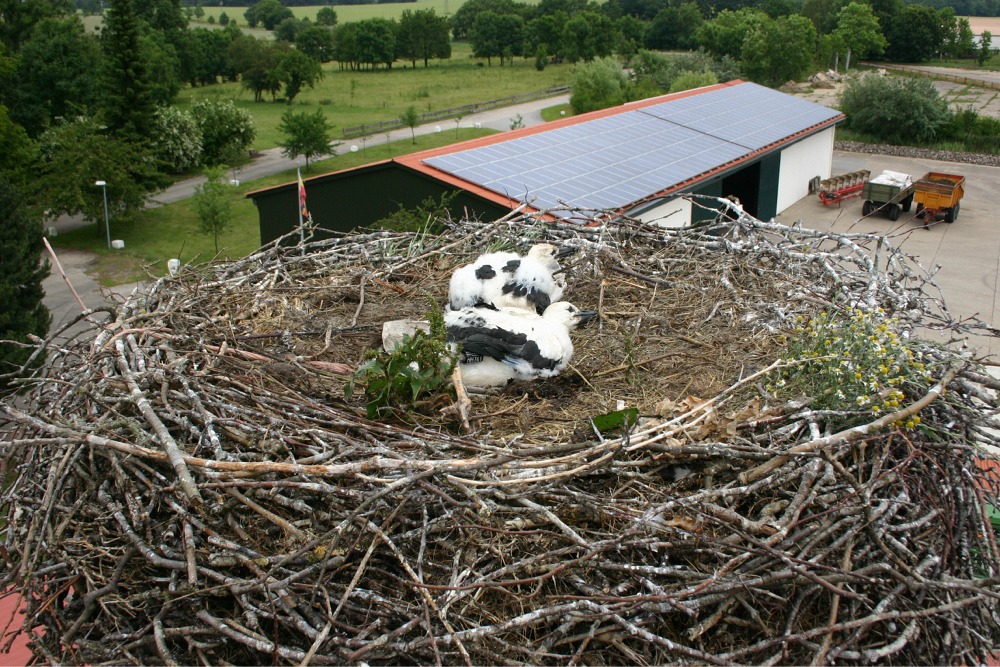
(349, 13)
(350, 98)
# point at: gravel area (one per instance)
(925, 153)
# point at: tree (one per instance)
(895, 109)
(307, 134)
(76, 153)
(258, 63)
(163, 65)
(724, 35)
(288, 29)
(411, 119)
(267, 13)
(225, 128)
(780, 50)
(213, 205)
(915, 35)
(985, 51)
(18, 153)
(127, 94)
(56, 75)
(823, 13)
(886, 11)
(422, 35)
(18, 18)
(546, 29)
(598, 85)
(494, 35)
(630, 35)
(586, 36)
(22, 312)
(316, 42)
(299, 71)
(960, 42)
(463, 20)
(675, 28)
(162, 15)
(375, 42)
(859, 31)
(176, 139)
(326, 16)
(206, 58)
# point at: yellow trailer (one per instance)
(937, 196)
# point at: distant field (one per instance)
(350, 13)
(354, 98)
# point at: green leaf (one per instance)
(615, 420)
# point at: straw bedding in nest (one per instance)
(189, 484)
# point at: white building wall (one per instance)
(813, 156)
(800, 162)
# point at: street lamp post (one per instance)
(107, 223)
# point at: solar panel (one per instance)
(613, 161)
(749, 114)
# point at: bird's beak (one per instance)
(565, 251)
(585, 316)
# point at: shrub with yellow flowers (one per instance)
(853, 363)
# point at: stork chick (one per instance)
(506, 280)
(504, 344)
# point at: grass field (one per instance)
(349, 13)
(354, 98)
(159, 234)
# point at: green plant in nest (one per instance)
(854, 364)
(416, 370)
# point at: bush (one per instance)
(895, 110)
(689, 80)
(978, 134)
(177, 139)
(225, 129)
(598, 85)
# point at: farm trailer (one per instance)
(890, 191)
(937, 196)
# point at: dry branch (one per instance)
(189, 485)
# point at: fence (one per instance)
(453, 112)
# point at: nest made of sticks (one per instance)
(190, 485)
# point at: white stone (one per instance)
(394, 330)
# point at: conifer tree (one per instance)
(129, 104)
(21, 309)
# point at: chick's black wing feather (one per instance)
(494, 342)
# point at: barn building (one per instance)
(732, 139)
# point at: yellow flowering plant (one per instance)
(854, 363)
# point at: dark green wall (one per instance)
(755, 184)
(343, 202)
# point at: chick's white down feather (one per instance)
(506, 280)
(500, 345)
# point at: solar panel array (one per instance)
(611, 162)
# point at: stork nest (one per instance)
(187, 483)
